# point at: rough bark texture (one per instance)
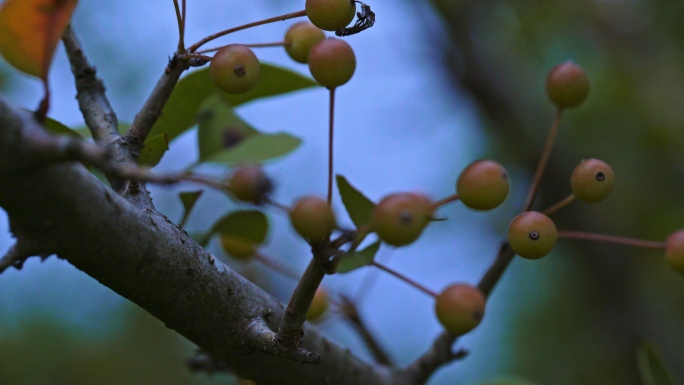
(149, 260)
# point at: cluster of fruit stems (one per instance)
(193, 52)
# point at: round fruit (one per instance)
(592, 180)
(532, 235)
(330, 15)
(300, 38)
(250, 184)
(460, 308)
(332, 62)
(235, 69)
(567, 85)
(312, 218)
(483, 185)
(236, 247)
(319, 304)
(400, 218)
(674, 251)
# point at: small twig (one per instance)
(566, 201)
(405, 279)
(351, 314)
(14, 257)
(611, 239)
(151, 110)
(181, 25)
(444, 201)
(277, 266)
(543, 160)
(261, 337)
(496, 270)
(95, 107)
(252, 45)
(289, 331)
(209, 38)
(330, 143)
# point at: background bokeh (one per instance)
(438, 84)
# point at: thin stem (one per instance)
(566, 201)
(277, 205)
(209, 38)
(182, 35)
(444, 201)
(405, 279)
(197, 56)
(543, 160)
(277, 266)
(611, 239)
(181, 21)
(330, 144)
(253, 45)
(496, 270)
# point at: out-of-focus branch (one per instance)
(351, 314)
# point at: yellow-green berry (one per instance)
(300, 38)
(235, 69)
(483, 185)
(532, 235)
(592, 180)
(460, 308)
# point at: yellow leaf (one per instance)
(30, 31)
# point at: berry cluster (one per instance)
(399, 219)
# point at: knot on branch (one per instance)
(262, 338)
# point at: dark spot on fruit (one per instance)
(534, 235)
(240, 70)
(405, 217)
(600, 176)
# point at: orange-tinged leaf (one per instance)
(30, 31)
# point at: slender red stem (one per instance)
(611, 239)
(277, 266)
(543, 160)
(330, 144)
(566, 201)
(209, 38)
(277, 205)
(182, 32)
(179, 19)
(405, 279)
(254, 45)
(444, 201)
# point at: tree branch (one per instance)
(151, 110)
(144, 257)
(101, 118)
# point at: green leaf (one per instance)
(153, 150)
(219, 127)
(258, 148)
(358, 259)
(202, 239)
(651, 366)
(55, 127)
(359, 207)
(247, 225)
(189, 198)
(179, 112)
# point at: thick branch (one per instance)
(149, 260)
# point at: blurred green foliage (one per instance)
(46, 352)
(598, 301)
